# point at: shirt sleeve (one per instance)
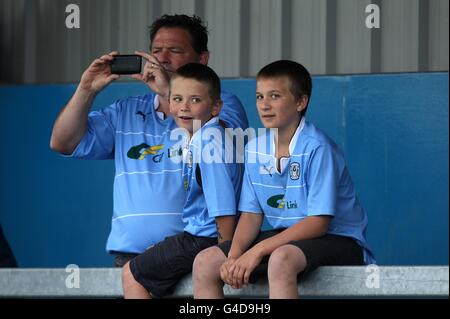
(99, 140)
(322, 181)
(218, 187)
(248, 201)
(233, 112)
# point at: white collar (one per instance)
(197, 137)
(284, 160)
(294, 138)
(213, 120)
(156, 105)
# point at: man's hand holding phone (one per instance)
(98, 75)
(109, 67)
(154, 75)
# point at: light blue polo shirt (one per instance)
(220, 182)
(148, 187)
(313, 181)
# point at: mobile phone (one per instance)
(126, 64)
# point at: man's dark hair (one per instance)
(298, 75)
(201, 73)
(194, 25)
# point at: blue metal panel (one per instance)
(54, 211)
(392, 128)
(397, 149)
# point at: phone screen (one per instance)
(126, 64)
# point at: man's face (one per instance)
(189, 101)
(172, 47)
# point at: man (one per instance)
(148, 188)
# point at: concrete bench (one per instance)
(334, 282)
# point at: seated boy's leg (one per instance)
(206, 273)
(131, 288)
(285, 263)
(160, 267)
(330, 250)
(288, 262)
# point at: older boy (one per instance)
(301, 186)
(213, 187)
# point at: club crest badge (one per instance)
(294, 171)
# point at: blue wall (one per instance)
(393, 129)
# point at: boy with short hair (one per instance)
(301, 186)
(213, 187)
(133, 132)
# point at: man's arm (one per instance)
(71, 123)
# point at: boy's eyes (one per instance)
(273, 96)
(194, 99)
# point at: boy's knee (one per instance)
(203, 259)
(206, 262)
(286, 260)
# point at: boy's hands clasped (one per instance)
(236, 271)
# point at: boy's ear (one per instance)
(204, 58)
(302, 103)
(217, 107)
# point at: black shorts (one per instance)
(161, 266)
(328, 250)
(120, 259)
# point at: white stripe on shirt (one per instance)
(282, 217)
(146, 214)
(142, 133)
(148, 172)
(264, 185)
